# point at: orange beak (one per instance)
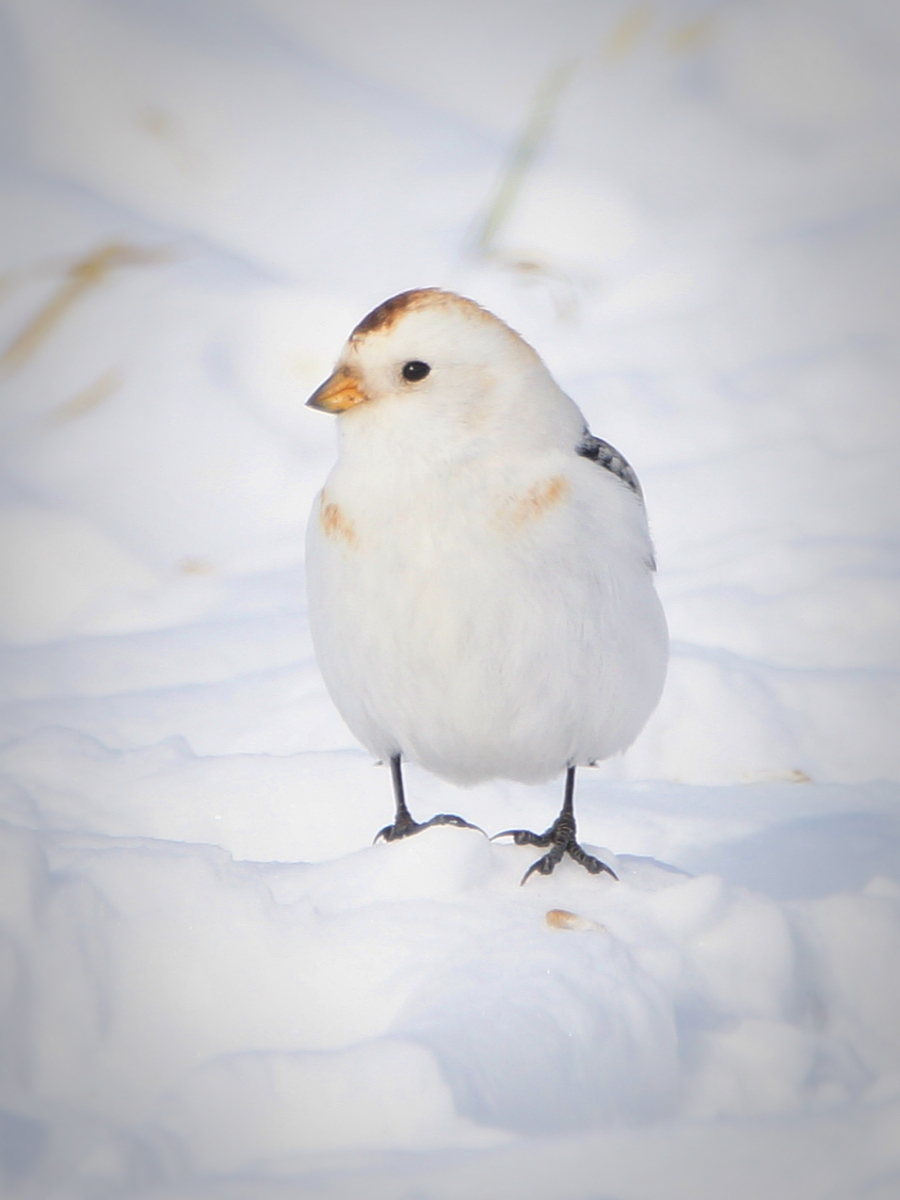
(338, 393)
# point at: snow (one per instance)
(212, 985)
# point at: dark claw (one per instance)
(591, 864)
(524, 837)
(561, 839)
(450, 819)
(545, 865)
(402, 829)
(390, 833)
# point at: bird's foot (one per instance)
(560, 837)
(406, 827)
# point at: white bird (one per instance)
(479, 567)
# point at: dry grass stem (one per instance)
(87, 400)
(529, 143)
(81, 277)
(628, 33)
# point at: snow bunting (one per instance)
(479, 567)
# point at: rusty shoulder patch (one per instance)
(538, 500)
(335, 525)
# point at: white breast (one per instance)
(490, 619)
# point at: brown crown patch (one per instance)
(384, 316)
(387, 314)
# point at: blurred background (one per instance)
(689, 208)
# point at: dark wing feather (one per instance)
(610, 459)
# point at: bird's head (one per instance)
(437, 367)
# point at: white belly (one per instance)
(503, 632)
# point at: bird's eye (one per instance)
(415, 370)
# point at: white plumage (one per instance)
(480, 585)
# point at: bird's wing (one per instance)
(610, 459)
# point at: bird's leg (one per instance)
(560, 837)
(404, 825)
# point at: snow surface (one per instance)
(211, 983)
